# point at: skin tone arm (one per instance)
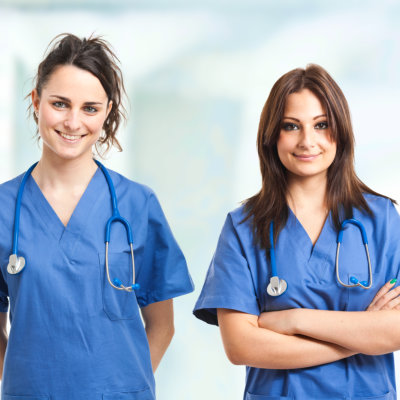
(3, 339)
(248, 344)
(258, 342)
(159, 324)
(374, 331)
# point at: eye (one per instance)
(322, 125)
(90, 109)
(59, 104)
(290, 126)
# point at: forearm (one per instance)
(159, 339)
(159, 324)
(368, 332)
(248, 344)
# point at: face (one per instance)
(71, 112)
(304, 146)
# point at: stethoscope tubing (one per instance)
(16, 264)
(365, 242)
(18, 209)
(278, 286)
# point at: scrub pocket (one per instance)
(144, 394)
(250, 396)
(32, 397)
(118, 304)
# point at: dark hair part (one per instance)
(95, 56)
(344, 189)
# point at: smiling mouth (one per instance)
(306, 157)
(69, 138)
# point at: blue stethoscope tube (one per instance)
(354, 281)
(278, 286)
(16, 264)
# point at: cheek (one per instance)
(284, 145)
(330, 148)
(48, 119)
(95, 124)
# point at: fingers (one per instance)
(386, 297)
(382, 291)
(392, 305)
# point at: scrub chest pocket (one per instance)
(117, 304)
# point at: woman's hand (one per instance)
(283, 322)
(387, 298)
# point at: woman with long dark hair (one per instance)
(91, 254)
(303, 312)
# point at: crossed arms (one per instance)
(300, 338)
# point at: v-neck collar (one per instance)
(77, 221)
(301, 239)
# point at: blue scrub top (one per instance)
(239, 274)
(72, 335)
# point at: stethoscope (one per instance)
(17, 263)
(278, 286)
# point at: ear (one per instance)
(109, 107)
(35, 100)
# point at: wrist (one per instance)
(298, 317)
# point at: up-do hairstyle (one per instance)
(345, 190)
(95, 56)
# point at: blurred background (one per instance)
(197, 74)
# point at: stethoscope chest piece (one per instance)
(276, 286)
(15, 264)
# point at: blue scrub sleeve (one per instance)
(4, 303)
(393, 238)
(229, 281)
(164, 273)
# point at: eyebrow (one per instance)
(67, 100)
(295, 119)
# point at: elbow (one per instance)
(235, 355)
(170, 333)
(166, 333)
(380, 348)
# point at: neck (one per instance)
(308, 192)
(56, 172)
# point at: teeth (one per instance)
(64, 135)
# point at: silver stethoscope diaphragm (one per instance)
(276, 286)
(15, 264)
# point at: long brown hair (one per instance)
(344, 189)
(94, 55)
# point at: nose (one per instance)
(307, 137)
(72, 120)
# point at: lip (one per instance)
(76, 138)
(306, 157)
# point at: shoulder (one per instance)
(11, 186)
(131, 193)
(9, 190)
(384, 220)
(125, 184)
(379, 205)
(237, 224)
(8, 198)
(237, 218)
